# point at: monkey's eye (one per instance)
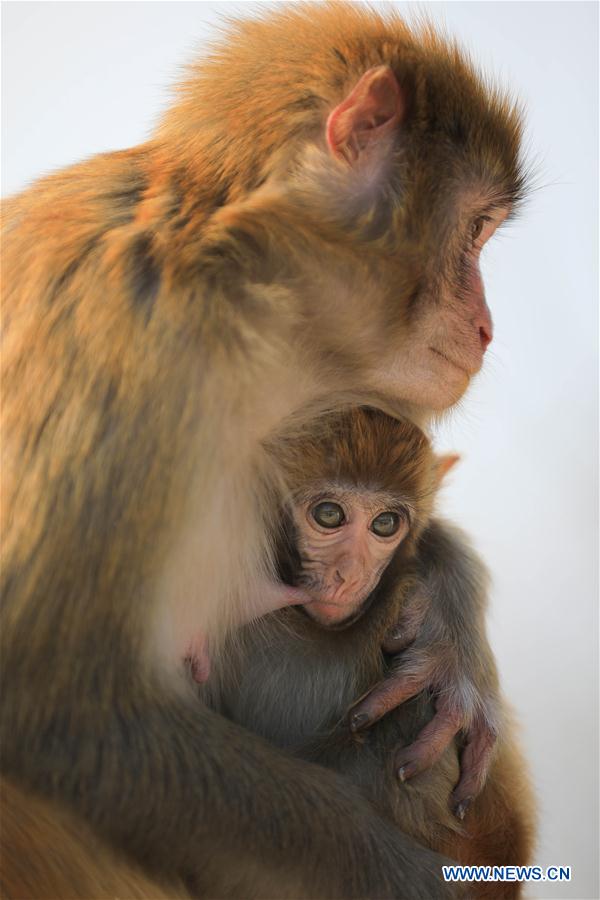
(385, 524)
(476, 228)
(328, 514)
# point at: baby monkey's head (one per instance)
(361, 487)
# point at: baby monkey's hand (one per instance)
(461, 708)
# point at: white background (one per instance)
(79, 78)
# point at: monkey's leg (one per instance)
(154, 776)
(47, 853)
(430, 744)
(475, 762)
(499, 826)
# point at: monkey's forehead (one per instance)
(368, 496)
(289, 84)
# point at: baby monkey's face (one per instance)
(346, 537)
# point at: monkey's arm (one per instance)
(442, 646)
(186, 793)
(100, 460)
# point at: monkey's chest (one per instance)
(292, 697)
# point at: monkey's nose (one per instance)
(338, 577)
(348, 572)
(485, 338)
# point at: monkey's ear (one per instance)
(374, 108)
(444, 464)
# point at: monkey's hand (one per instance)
(441, 647)
(459, 712)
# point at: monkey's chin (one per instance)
(430, 380)
(320, 612)
(447, 382)
(464, 367)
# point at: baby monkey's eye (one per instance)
(385, 524)
(328, 514)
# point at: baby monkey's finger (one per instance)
(401, 637)
(383, 698)
(430, 745)
(404, 633)
(475, 761)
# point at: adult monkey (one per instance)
(305, 223)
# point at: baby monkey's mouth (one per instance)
(311, 611)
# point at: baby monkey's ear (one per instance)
(443, 464)
(372, 110)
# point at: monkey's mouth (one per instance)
(337, 624)
(469, 372)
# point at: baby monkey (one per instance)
(358, 537)
(362, 493)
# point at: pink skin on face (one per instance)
(463, 340)
(481, 317)
(341, 565)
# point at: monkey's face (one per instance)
(346, 537)
(416, 207)
(449, 327)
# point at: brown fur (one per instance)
(360, 446)
(500, 827)
(165, 308)
(47, 854)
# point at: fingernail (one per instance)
(405, 772)
(359, 720)
(462, 808)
